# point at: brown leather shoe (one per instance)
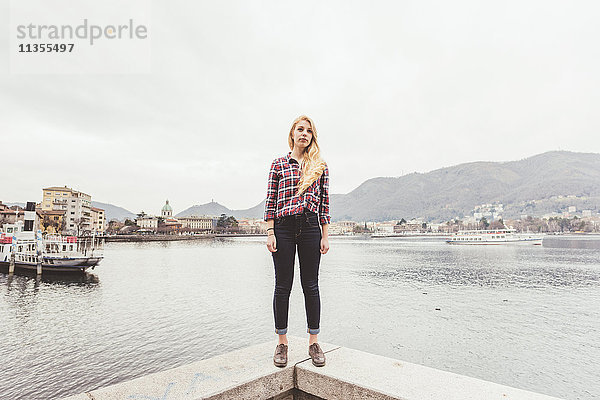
(280, 357)
(315, 352)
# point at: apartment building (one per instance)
(98, 220)
(77, 206)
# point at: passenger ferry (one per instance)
(55, 252)
(494, 236)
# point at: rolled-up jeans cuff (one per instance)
(313, 331)
(281, 331)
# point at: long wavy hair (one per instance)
(312, 164)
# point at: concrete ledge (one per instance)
(352, 374)
(349, 374)
(246, 373)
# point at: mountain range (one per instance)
(544, 183)
(114, 212)
(533, 186)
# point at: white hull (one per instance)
(498, 236)
(492, 242)
(68, 267)
(71, 262)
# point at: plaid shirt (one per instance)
(282, 191)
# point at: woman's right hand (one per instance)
(271, 243)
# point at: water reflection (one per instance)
(23, 292)
(86, 279)
(482, 266)
(485, 277)
(573, 242)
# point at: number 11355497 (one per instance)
(46, 47)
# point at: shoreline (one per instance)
(172, 238)
(154, 238)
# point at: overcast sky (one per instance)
(393, 88)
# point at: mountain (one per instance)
(212, 208)
(256, 212)
(22, 205)
(532, 186)
(114, 212)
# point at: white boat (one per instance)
(56, 253)
(495, 236)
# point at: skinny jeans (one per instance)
(301, 232)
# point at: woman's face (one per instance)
(302, 134)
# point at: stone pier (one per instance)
(349, 375)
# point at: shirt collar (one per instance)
(291, 160)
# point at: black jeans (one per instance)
(300, 231)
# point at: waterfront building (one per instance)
(147, 222)
(170, 226)
(341, 227)
(197, 223)
(371, 225)
(98, 220)
(77, 206)
(385, 227)
(252, 226)
(436, 227)
(414, 225)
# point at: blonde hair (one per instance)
(312, 165)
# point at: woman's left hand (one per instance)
(324, 245)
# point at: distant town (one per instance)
(67, 211)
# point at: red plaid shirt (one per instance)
(282, 191)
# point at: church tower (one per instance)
(167, 211)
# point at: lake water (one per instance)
(524, 316)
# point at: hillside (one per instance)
(454, 191)
(114, 212)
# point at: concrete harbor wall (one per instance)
(350, 374)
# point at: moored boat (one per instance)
(53, 253)
(494, 236)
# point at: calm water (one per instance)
(524, 316)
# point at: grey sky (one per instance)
(393, 87)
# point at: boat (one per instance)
(54, 253)
(494, 236)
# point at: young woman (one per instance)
(297, 215)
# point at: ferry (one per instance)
(494, 236)
(55, 253)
